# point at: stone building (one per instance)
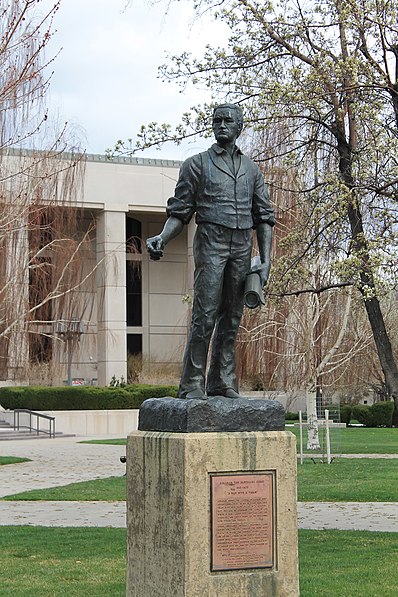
(128, 304)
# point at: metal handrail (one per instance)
(32, 413)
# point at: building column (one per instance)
(111, 297)
(16, 297)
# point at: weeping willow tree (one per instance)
(41, 170)
(304, 338)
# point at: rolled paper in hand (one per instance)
(254, 296)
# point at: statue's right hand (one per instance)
(155, 247)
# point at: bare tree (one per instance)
(41, 170)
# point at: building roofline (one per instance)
(94, 157)
(135, 161)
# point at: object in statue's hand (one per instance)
(262, 269)
(254, 296)
(155, 246)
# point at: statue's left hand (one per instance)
(262, 269)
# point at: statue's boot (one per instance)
(195, 394)
(226, 392)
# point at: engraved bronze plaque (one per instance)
(242, 521)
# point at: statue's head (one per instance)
(229, 112)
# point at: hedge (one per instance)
(345, 413)
(378, 415)
(81, 397)
(289, 416)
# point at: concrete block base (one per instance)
(173, 524)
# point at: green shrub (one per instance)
(377, 415)
(345, 413)
(360, 412)
(383, 412)
(289, 416)
(81, 397)
(395, 417)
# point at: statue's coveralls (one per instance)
(229, 197)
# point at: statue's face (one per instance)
(225, 126)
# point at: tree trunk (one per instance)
(383, 346)
(367, 285)
(16, 296)
(312, 420)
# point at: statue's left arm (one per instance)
(264, 238)
(263, 221)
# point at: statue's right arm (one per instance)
(180, 207)
(156, 244)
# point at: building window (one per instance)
(133, 293)
(40, 348)
(40, 286)
(133, 272)
(133, 235)
(134, 343)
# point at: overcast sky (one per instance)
(105, 78)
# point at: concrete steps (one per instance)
(7, 433)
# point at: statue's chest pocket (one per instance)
(220, 184)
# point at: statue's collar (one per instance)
(219, 150)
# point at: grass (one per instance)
(12, 460)
(348, 564)
(349, 480)
(120, 441)
(111, 489)
(62, 562)
(358, 440)
(352, 440)
(71, 562)
(361, 440)
(345, 480)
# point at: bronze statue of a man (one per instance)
(226, 191)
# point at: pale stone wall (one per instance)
(139, 188)
(167, 284)
(135, 184)
(113, 423)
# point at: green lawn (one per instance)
(358, 440)
(111, 489)
(352, 440)
(349, 480)
(119, 441)
(345, 480)
(12, 460)
(348, 564)
(71, 562)
(62, 562)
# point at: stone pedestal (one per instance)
(186, 539)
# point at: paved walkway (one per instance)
(356, 516)
(61, 461)
(56, 462)
(349, 516)
(64, 514)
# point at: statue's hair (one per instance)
(235, 107)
